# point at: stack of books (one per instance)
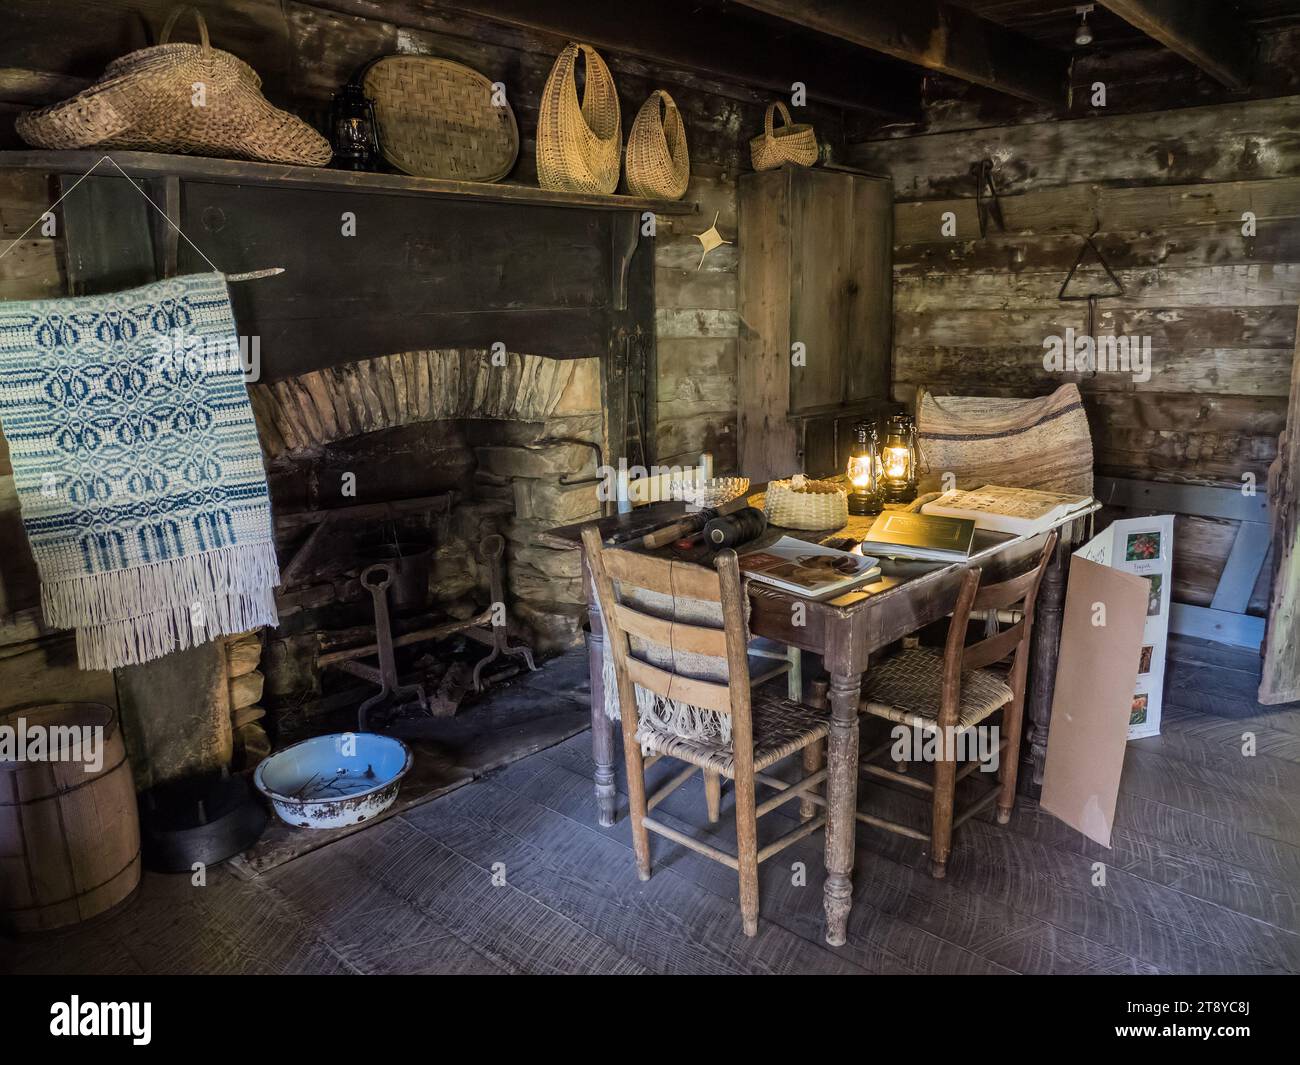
(947, 529)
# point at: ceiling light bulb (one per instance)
(1083, 35)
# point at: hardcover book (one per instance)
(902, 534)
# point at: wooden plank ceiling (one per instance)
(1019, 48)
(868, 59)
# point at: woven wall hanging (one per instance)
(579, 142)
(658, 163)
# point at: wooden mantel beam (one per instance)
(936, 36)
(1207, 33)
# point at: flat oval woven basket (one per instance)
(438, 119)
(658, 163)
(579, 142)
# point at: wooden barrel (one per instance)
(69, 832)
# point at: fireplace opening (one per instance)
(436, 524)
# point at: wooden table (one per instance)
(845, 631)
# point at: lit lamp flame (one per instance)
(863, 471)
(896, 462)
(860, 471)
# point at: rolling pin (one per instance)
(691, 523)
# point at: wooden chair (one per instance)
(638, 491)
(946, 694)
(764, 727)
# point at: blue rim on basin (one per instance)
(338, 779)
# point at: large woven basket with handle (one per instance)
(658, 163)
(187, 98)
(579, 142)
(793, 142)
(440, 119)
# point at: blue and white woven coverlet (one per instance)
(137, 466)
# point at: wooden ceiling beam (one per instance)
(936, 36)
(1208, 33)
(682, 34)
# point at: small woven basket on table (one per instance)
(438, 119)
(793, 142)
(802, 503)
(579, 143)
(147, 101)
(658, 164)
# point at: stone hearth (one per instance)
(498, 440)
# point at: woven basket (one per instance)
(794, 142)
(709, 493)
(437, 119)
(800, 503)
(579, 144)
(658, 163)
(146, 101)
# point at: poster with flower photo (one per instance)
(1143, 547)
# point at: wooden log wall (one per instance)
(51, 48)
(1167, 195)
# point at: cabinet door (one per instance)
(841, 288)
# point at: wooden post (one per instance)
(1280, 682)
(713, 795)
(602, 728)
(841, 803)
(1042, 674)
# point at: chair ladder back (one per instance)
(960, 657)
(733, 623)
(1018, 591)
(953, 649)
(663, 575)
(633, 570)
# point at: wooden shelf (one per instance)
(274, 175)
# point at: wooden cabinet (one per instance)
(815, 315)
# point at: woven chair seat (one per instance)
(908, 688)
(780, 729)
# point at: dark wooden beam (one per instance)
(938, 37)
(683, 34)
(1207, 33)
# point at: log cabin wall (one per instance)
(303, 52)
(1167, 194)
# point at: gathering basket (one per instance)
(792, 142)
(658, 162)
(579, 142)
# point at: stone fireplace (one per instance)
(438, 446)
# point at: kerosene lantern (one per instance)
(354, 133)
(898, 460)
(863, 471)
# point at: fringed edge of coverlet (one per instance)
(134, 640)
(177, 583)
(669, 715)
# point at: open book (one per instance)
(808, 569)
(1023, 511)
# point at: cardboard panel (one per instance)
(1095, 678)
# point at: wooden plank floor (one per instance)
(510, 873)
